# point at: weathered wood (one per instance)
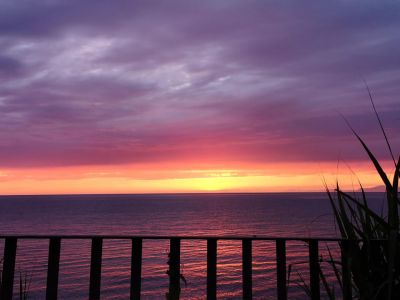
(7, 284)
(136, 268)
(8, 272)
(211, 269)
(95, 269)
(174, 271)
(314, 269)
(247, 269)
(281, 269)
(53, 268)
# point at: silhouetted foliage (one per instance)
(374, 248)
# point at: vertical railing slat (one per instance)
(95, 268)
(211, 269)
(136, 268)
(247, 269)
(314, 269)
(174, 268)
(346, 273)
(10, 248)
(281, 269)
(53, 268)
(7, 284)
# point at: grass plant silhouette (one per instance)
(374, 245)
(24, 283)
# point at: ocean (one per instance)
(259, 214)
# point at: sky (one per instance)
(194, 96)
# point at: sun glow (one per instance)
(177, 179)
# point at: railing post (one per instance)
(314, 269)
(211, 269)
(95, 268)
(281, 268)
(136, 268)
(247, 269)
(7, 284)
(174, 271)
(53, 268)
(346, 272)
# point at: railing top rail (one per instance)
(182, 237)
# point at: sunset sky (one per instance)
(194, 96)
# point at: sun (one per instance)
(214, 183)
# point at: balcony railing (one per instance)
(10, 248)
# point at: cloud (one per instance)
(100, 82)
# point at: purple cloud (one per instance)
(105, 82)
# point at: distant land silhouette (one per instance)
(378, 188)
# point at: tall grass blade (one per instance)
(333, 263)
(371, 213)
(336, 214)
(329, 291)
(374, 240)
(396, 180)
(303, 285)
(380, 122)
(391, 260)
(378, 167)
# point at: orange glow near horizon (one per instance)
(239, 97)
(169, 179)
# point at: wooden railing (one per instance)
(10, 248)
